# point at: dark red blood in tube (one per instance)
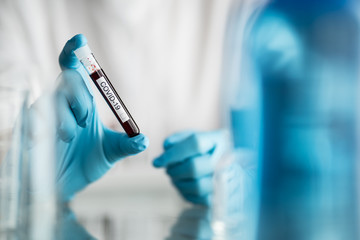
(129, 126)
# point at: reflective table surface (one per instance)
(151, 214)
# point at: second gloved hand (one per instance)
(190, 159)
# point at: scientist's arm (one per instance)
(86, 149)
(190, 159)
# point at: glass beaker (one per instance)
(27, 184)
(13, 101)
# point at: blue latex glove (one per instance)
(190, 159)
(86, 148)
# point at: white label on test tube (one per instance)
(108, 92)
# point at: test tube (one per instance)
(103, 84)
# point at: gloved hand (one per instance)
(86, 149)
(190, 159)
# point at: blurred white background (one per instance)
(164, 57)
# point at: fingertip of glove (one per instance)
(67, 59)
(166, 144)
(140, 142)
(79, 40)
(157, 163)
(74, 43)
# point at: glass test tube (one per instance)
(103, 84)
